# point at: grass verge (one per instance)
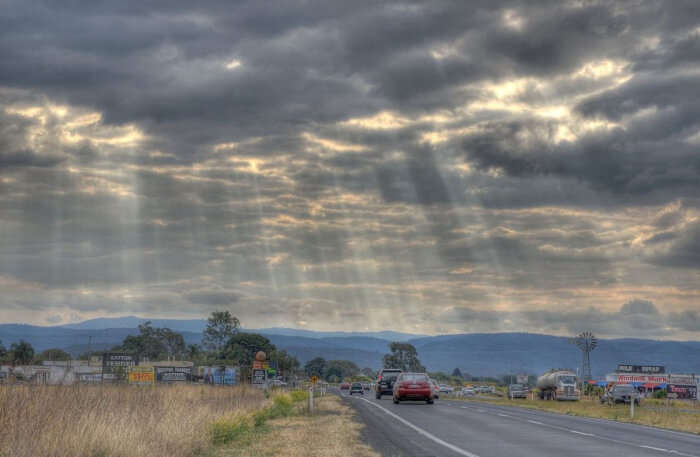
(118, 421)
(674, 416)
(290, 431)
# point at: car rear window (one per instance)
(357, 384)
(390, 374)
(414, 378)
(623, 389)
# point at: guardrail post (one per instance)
(632, 405)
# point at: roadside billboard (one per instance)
(642, 369)
(219, 375)
(90, 378)
(644, 379)
(169, 375)
(683, 386)
(141, 376)
(259, 376)
(115, 366)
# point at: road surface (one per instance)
(452, 428)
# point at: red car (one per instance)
(344, 386)
(413, 386)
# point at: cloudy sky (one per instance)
(432, 167)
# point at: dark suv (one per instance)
(385, 381)
(620, 393)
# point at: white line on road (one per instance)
(426, 434)
(581, 433)
(654, 448)
(535, 422)
(503, 415)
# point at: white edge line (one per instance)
(428, 435)
(581, 433)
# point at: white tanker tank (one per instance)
(558, 385)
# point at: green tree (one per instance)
(3, 352)
(457, 373)
(403, 356)
(173, 342)
(154, 343)
(342, 369)
(316, 367)
(54, 354)
(194, 351)
(21, 353)
(370, 373)
(285, 362)
(221, 326)
(242, 348)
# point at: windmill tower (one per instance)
(586, 341)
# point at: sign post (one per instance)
(632, 403)
(314, 380)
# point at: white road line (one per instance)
(654, 448)
(535, 422)
(426, 434)
(581, 433)
(503, 415)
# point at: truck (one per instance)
(558, 385)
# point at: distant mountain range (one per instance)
(488, 354)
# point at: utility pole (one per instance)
(89, 351)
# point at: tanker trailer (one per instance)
(558, 385)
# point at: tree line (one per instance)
(223, 343)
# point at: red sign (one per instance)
(625, 378)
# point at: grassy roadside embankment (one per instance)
(655, 413)
(173, 421)
(287, 429)
(117, 421)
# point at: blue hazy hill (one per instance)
(478, 354)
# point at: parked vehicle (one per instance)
(467, 392)
(385, 381)
(413, 386)
(621, 393)
(436, 389)
(344, 386)
(517, 391)
(445, 389)
(366, 386)
(357, 388)
(558, 385)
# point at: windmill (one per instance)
(586, 341)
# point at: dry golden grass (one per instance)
(656, 413)
(116, 421)
(330, 432)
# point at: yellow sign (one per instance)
(314, 379)
(144, 376)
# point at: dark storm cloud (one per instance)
(337, 157)
(684, 249)
(212, 297)
(633, 318)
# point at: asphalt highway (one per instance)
(452, 428)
